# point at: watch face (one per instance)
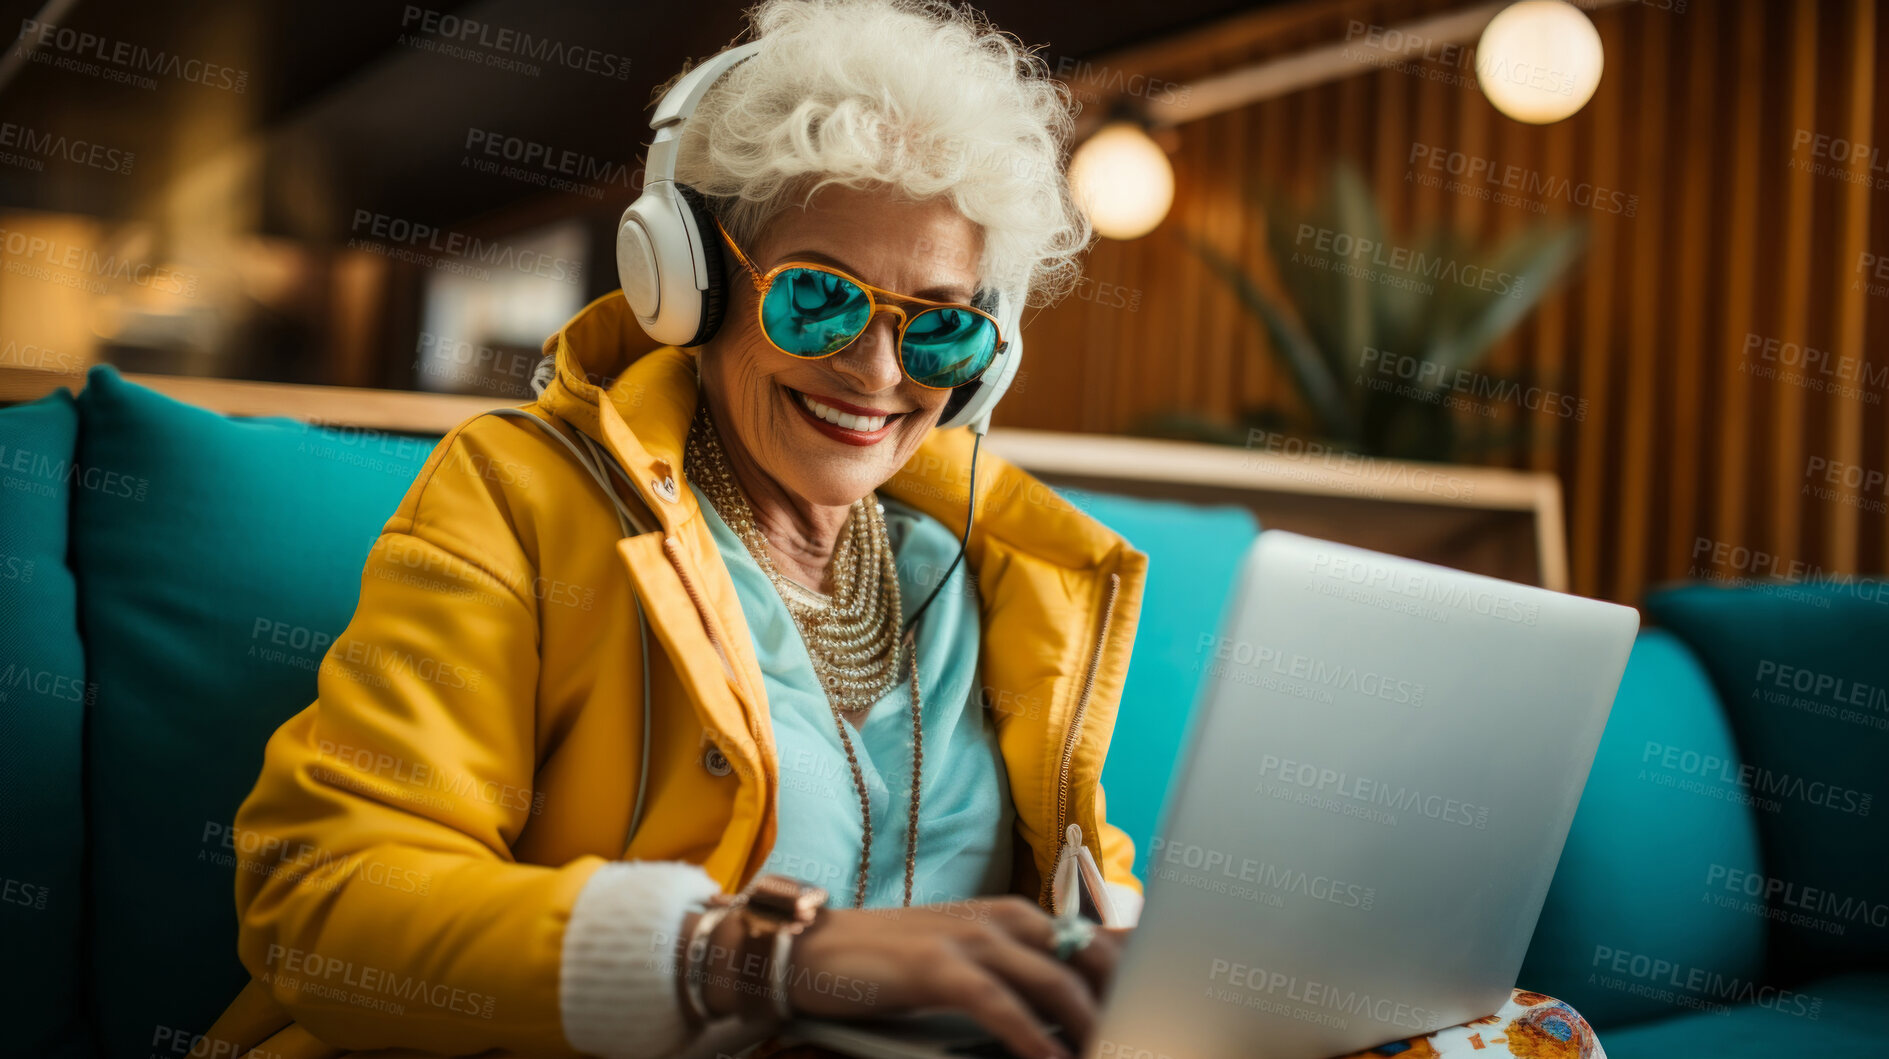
(789, 899)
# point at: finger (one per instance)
(1021, 917)
(1036, 928)
(1096, 961)
(1052, 987)
(984, 996)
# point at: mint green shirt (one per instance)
(965, 815)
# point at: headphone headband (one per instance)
(678, 106)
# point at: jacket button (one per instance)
(716, 762)
(666, 488)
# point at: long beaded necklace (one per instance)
(852, 636)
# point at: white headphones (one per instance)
(670, 264)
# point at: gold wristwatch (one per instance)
(777, 903)
(775, 910)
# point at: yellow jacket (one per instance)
(413, 846)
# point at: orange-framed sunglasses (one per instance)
(813, 311)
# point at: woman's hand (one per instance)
(992, 959)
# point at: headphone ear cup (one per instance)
(973, 402)
(714, 256)
(656, 265)
(954, 405)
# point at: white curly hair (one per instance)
(918, 95)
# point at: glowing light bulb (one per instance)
(1539, 60)
(1122, 179)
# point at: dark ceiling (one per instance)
(353, 104)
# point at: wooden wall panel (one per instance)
(1684, 364)
(1848, 304)
(1733, 455)
(1736, 236)
(1597, 463)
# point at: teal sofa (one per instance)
(170, 579)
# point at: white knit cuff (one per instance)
(617, 979)
(1127, 902)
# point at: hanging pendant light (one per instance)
(1539, 61)
(1122, 180)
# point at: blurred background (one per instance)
(1664, 296)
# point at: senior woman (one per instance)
(697, 627)
(462, 847)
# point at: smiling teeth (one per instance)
(863, 424)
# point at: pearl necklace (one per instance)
(852, 636)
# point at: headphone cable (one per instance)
(970, 513)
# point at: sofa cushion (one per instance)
(1645, 857)
(43, 693)
(210, 588)
(1820, 1019)
(1193, 552)
(1805, 678)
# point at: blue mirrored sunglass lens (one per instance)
(810, 313)
(949, 347)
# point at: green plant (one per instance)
(1375, 326)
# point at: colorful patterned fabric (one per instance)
(1530, 1025)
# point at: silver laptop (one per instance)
(1357, 841)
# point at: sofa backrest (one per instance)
(217, 558)
(1627, 911)
(1804, 673)
(43, 698)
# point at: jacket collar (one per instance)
(637, 404)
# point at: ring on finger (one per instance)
(1072, 936)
